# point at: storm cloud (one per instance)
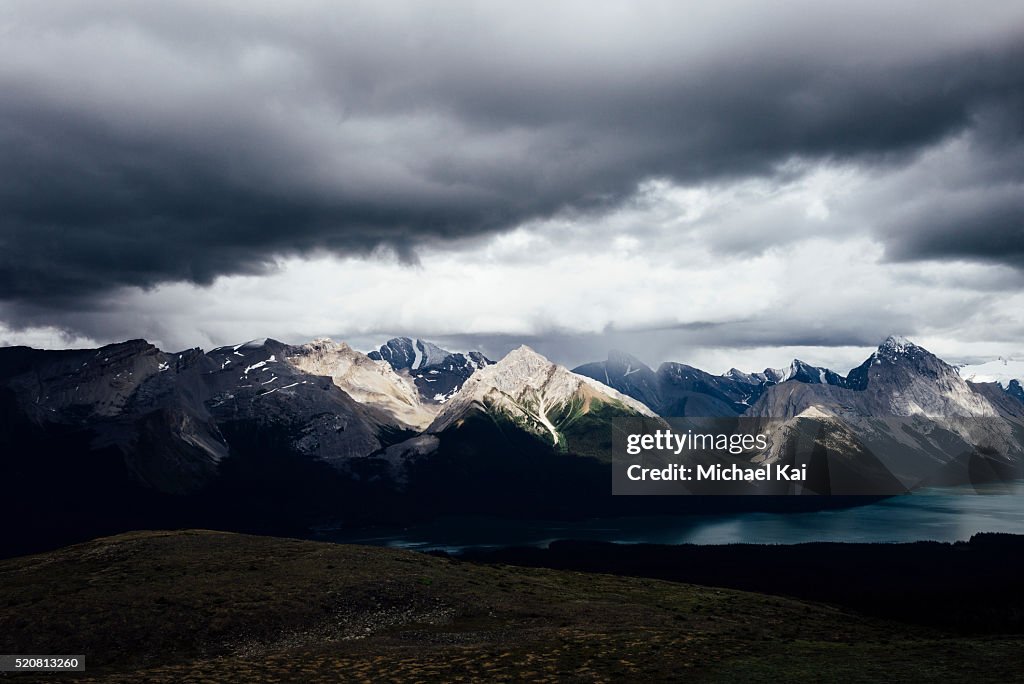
(147, 144)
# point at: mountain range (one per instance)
(265, 433)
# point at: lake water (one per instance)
(936, 515)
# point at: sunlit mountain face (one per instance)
(265, 436)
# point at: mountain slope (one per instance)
(127, 435)
(255, 387)
(677, 390)
(534, 393)
(899, 379)
(437, 373)
(1003, 371)
(129, 398)
(904, 406)
(523, 437)
(801, 371)
(1016, 390)
(367, 381)
(689, 391)
(627, 374)
(1006, 373)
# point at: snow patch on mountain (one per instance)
(897, 344)
(436, 373)
(1002, 371)
(429, 354)
(417, 358)
(781, 374)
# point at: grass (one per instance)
(200, 605)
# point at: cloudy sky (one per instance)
(726, 183)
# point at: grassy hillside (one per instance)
(198, 605)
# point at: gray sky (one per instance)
(726, 183)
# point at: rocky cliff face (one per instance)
(628, 375)
(898, 379)
(676, 389)
(166, 414)
(131, 397)
(369, 382)
(904, 406)
(533, 392)
(437, 373)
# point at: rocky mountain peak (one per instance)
(526, 384)
(897, 344)
(619, 357)
(406, 353)
(520, 367)
(437, 373)
(523, 354)
(1015, 390)
(369, 382)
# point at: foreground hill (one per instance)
(197, 605)
(965, 587)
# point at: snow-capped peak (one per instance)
(737, 374)
(428, 354)
(790, 372)
(780, 375)
(1004, 371)
(254, 344)
(897, 344)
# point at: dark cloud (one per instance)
(149, 144)
(987, 225)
